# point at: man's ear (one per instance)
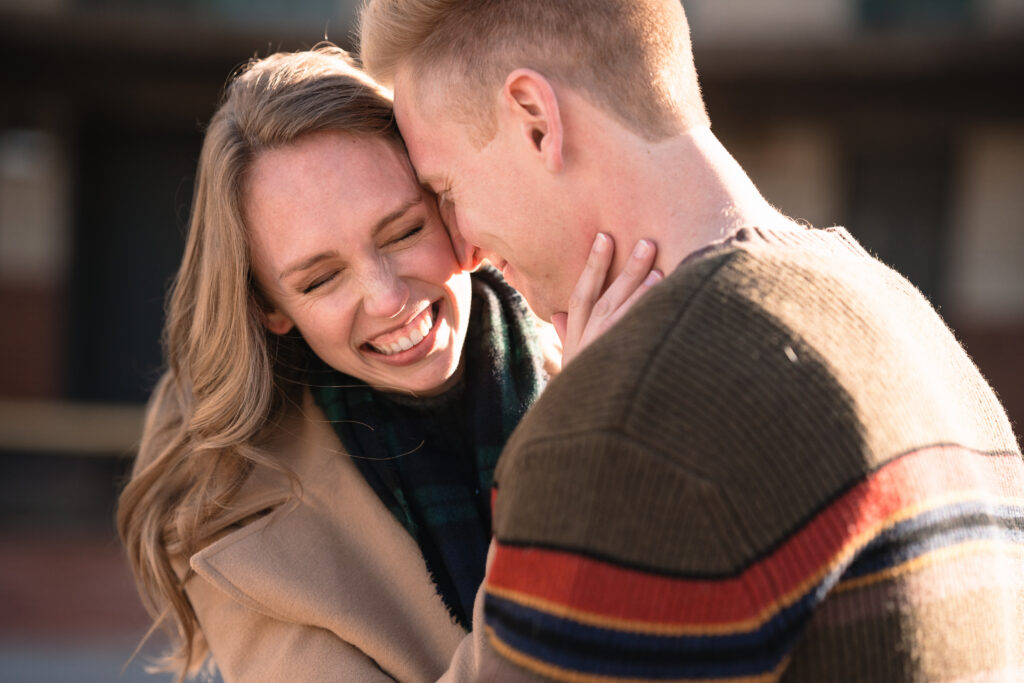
(277, 322)
(530, 100)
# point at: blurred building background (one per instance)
(900, 119)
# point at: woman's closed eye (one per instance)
(327, 277)
(320, 281)
(408, 234)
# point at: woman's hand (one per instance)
(592, 313)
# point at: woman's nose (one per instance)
(385, 293)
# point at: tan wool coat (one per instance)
(322, 586)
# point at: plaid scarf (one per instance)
(431, 459)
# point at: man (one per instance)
(780, 463)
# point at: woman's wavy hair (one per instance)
(227, 379)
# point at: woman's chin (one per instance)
(437, 384)
(429, 375)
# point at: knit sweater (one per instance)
(780, 465)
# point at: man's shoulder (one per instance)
(597, 388)
(736, 330)
(718, 319)
(752, 370)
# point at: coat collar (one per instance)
(330, 556)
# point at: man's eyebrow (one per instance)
(377, 227)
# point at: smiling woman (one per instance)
(352, 253)
(311, 496)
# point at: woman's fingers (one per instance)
(653, 277)
(588, 287)
(592, 312)
(629, 281)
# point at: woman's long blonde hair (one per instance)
(227, 378)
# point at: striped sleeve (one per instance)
(926, 551)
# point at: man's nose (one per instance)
(384, 292)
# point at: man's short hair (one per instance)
(631, 58)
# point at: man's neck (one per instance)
(684, 193)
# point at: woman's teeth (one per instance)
(410, 338)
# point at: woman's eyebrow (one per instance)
(307, 263)
(378, 226)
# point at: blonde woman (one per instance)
(311, 496)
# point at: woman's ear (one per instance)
(277, 322)
(530, 100)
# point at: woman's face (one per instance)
(350, 250)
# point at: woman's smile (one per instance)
(409, 343)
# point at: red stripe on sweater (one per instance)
(921, 480)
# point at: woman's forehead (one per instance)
(330, 191)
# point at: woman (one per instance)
(310, 499)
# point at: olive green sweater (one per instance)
(780, 465)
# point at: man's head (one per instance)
(486, 95)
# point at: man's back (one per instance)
(781, 462)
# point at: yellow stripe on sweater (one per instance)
(994, 546)
(561, 674)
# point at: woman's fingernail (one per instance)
(600, 242)
(653, 278)
(642, 249)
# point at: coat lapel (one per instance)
(332, 557)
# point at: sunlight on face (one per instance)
(351, 252)
(497, 203)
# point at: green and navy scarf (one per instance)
(431, 460)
